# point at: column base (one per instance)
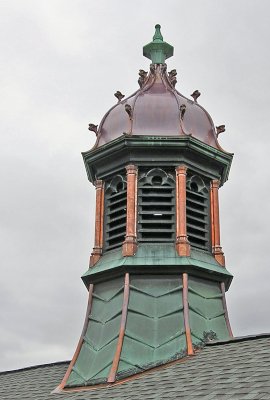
(95, 256)
(183, 246)
(219, 255)
(129, 247)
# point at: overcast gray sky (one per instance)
(61, 62)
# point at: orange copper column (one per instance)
(97, 250)
(215, 228)
(116, 359)
(190, 351)
(130, 243)
(182, 243)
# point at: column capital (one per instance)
(181, 170)
(131, 169)
(215, 183)
(98, 183)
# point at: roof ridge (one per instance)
(238, 339)
(34, 367)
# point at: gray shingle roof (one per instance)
(237, 369)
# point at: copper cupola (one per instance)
(157, 276)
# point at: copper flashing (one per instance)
(97, 250)
(79, 345)
(215, 226)
(130, 243)
(190, 350)
(116, 359)
(182, 243)
(222, 286)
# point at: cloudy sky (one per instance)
(61, 62)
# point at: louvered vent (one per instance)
(198, 213)
(156, 206)
(115, 212)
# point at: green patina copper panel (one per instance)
(155, 327)
(97, 352)
(206, 311)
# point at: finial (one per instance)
(157, 36)
(158, 50)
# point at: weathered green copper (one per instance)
(158, 258)
(155, 331)
(158, 50)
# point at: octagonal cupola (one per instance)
(157, 277)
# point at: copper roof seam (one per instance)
(171, 89)
(141, 90)
(80, 343)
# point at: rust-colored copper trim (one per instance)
(222, 285)
(130, 243)
(190, 350)
(116, 359)
(215, 227)
(182, 243)
(97, 250)
(79, 345)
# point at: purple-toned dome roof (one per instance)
(157, 109)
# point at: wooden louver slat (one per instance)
(115, 212)
(156, 207)
(197, 212)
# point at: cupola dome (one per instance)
(157, 108)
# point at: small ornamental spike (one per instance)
(119, 95)
(182, 111)
(93, 128)
(142, 78)
(172, 77)
(195, 95)
(220, 129)
(128, 110)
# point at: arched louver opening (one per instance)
(156, 206)
(115, 212)
(197, 212)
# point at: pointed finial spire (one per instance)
(157, 36)
(158, 51)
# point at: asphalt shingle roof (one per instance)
(237, 369)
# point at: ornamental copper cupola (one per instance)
(157, 275)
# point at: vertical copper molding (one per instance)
(116, 359)
(190, 351)
(182, 243)
(130, 243)
(97, 250)
(215, 227)
(225, 309)
(79, 345)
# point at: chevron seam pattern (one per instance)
(159, 295)
(96, 349)
(156, 318)
(132, 337)
(216, 296)
(96, 296)
(107, 320)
